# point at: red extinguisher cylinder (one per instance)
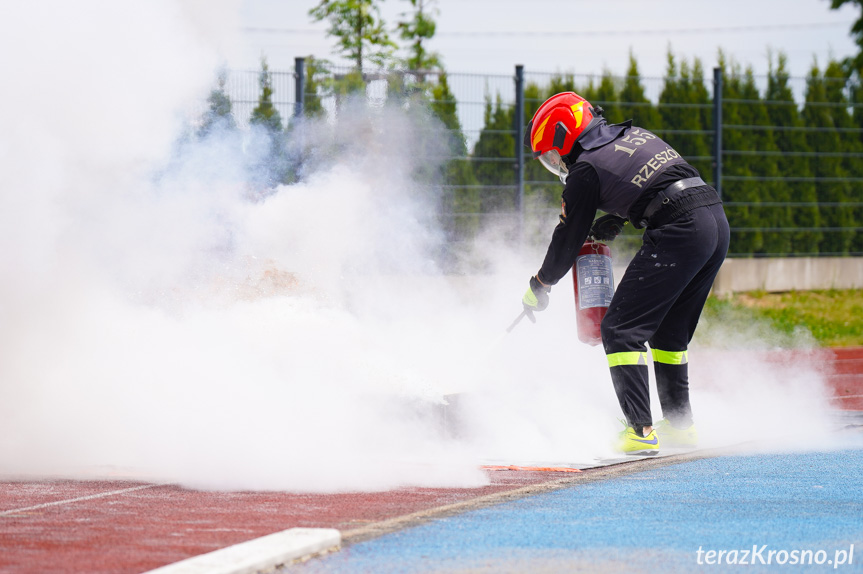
(593, 281)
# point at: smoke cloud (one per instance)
(161, 319)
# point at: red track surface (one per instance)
(845, 377)
(843, 370)
(135, 531)
(100, 527)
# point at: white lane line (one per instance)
(262, 553)
(78, 499)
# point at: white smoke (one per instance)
(758, 388)
(158, 323)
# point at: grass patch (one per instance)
(834, 318)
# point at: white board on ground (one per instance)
(259, 554)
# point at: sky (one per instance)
(575, 36)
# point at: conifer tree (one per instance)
(541, 187)
(534, 96)
(590, 92)
(763, 165)
(824, 139)
(634, 103)
(272, 164)
(562, 83)
(702, 97)
(856, 163)
(265, 113)
(219, 115)
(463, 202)
(607, 97)
(699, 112)
(316, 72)
(494, 146)
(738, 193)
(681, 106)
(791, 140)
(835, 83)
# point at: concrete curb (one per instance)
(262, 553)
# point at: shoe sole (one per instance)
(642, 453)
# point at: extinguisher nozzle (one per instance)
(526, 313)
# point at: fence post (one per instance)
(299, 86)
(519, 142)
(717, 130)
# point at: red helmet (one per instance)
(558, 123)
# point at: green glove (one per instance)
(536, 297)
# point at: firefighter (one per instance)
(634, 177)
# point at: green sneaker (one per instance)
(630, 442)
(673, 436)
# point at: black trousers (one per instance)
(659, 301)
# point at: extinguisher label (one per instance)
(595, 281)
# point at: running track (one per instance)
(121, 527)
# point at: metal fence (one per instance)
(781, 200)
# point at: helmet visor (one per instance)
(552, 161)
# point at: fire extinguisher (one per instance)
(594, 287)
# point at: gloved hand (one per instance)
(536, 297)
(607, 227)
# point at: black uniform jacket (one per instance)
(584, 193)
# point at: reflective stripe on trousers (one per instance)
(670, 357)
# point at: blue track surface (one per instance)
(652, 521)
